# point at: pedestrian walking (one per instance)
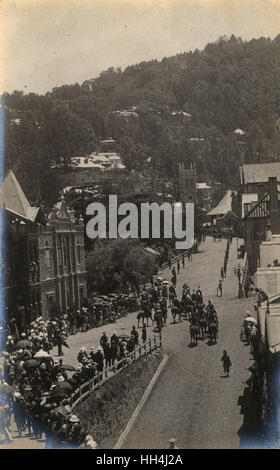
(135, 335)
(172, 444)
(226, 363)
(220, 288)
(144, 333)
(59, 341)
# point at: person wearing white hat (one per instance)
(74, 419)
(172, 443)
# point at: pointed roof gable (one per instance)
(225, 205)
(14, 200)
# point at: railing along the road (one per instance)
(175, 259)
(84, 390)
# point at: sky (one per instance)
(49, 43)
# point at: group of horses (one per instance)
(203, 318)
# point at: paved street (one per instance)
(192, 401)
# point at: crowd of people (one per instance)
(36, 390)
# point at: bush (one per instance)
(106, 412)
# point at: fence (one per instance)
(175, 259)
(84, 390)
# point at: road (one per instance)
(192, 401)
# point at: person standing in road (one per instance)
(144, 333)
(60, 339)
(226, 363)
(135, 335)
(172, 444)
(220, 288)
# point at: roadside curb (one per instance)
(140, 405)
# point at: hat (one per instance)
(60, 378)
(79, 367)
(23, 335)
(92, 444)
(88, 438)
(68, 408)
(74, 419)
(56, 363)
(43, 366)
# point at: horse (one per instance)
(194, 332)
(187, 306)
(144, 315)
(203, 326)
(213, 331)
(176, 311)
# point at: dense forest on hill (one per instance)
(182, 108)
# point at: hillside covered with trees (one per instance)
(182, 108)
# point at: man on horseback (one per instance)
(176, 309)
(194, 331)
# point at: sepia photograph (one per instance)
(139, 226)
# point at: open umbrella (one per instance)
(66, 386)
(165, 282)
(41, 354)
(250, 320)
(58, 392)
(23, 343)
(68, 367)
(31, 363)
(124, 336)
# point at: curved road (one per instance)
(191, 400)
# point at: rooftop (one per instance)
(259, 172)
(14, 199)
(225, 205)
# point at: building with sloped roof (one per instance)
(254, 177)
(255, 223)
(43, 272)
(222, 216)
(14, 200)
